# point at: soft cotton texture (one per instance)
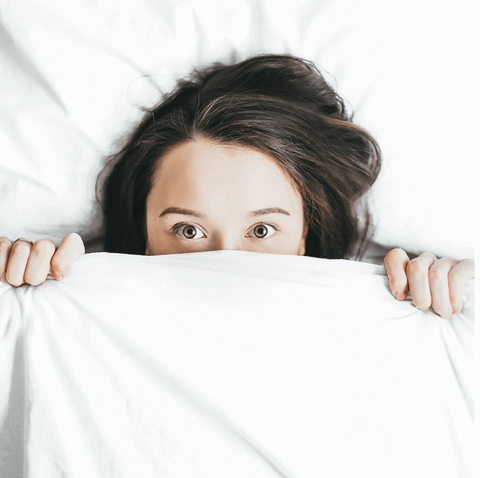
(231, 363)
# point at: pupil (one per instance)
(261, 227)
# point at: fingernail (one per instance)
(457, 308)
(399, 294)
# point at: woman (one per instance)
(266, 136)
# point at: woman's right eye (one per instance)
(189, 230)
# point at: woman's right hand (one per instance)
(22, 261)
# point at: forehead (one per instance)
(204, 171)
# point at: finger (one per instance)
(5, 247)
(417, 276)
(458, 277)
(17, 262)
(38, 263)
(395, 264)
(439, 286)
(70, 249)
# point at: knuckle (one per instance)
(44, 247)
(394, 254)
(75, 238)
(415, 267)
(5, 240)
(22, 247)
(427, 255)
(437, 274)
(454, 275)
(5, 247)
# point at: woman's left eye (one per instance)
(262, 228)
(190, 230)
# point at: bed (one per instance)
(231, 363)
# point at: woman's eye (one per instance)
(261, 230)
(189, 231)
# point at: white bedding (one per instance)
(231, 364)
(226, 364)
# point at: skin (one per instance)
(433, 283)
(23, 261)
(226, 184)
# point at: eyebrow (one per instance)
(189, 212)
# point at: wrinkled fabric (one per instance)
(231, 363)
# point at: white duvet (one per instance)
(231, 364)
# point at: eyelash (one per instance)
(177, 226)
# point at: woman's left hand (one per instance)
(436, 283)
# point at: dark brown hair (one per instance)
(279, 105)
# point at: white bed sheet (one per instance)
(231, 363)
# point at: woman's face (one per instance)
(209, 197)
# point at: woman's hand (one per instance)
(23, 261)
(436, 283)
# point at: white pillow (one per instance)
(74, 74)
(231, 363)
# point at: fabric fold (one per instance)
(232, 363)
